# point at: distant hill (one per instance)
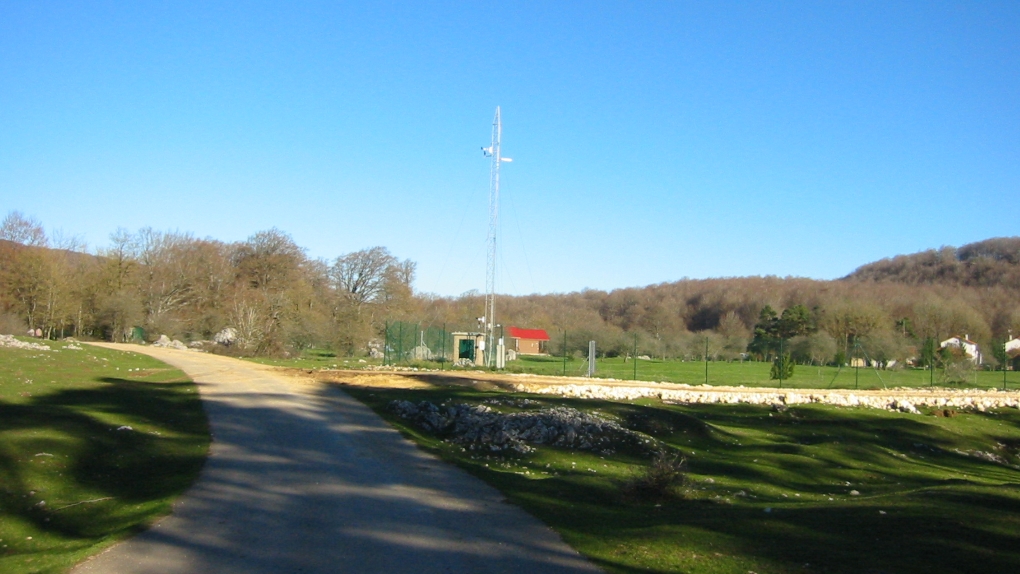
(14, 247)
(988, 263)
(5, 244)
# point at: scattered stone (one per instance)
(854, 493)
(165, 342)
(519, 403)
(479, 426)
(421, 353)
(226, 337)
(985, 456)
(906, 400)
(10, 342)
(904, 406)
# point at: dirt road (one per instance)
(302, 478)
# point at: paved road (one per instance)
(303, 478)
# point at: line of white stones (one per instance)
(903, 400)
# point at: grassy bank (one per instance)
(808, 489)
(72, 483)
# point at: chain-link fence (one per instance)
(703, 359)
(407, 343)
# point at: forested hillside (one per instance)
(279, 300)
(266, 288)
(989, 263)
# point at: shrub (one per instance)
(782, 367)
(662, 479)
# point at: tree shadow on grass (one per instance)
(918, 534)
(309, 480)
(73, 435)
(820, 447)
(912, 517)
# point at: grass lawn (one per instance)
(319, 359)
(747, 373)
(71, 483)
(809, 489)
(754, 374)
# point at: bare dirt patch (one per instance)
(413, 380)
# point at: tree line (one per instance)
(266, 288)
(279, 300)
(886, 320)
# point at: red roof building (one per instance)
(528, 341)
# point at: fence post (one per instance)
(591, 359)
(400, 341)
(635, 356)
(386, 343)
(564, 352)
(857, 366)
(706, 359)
(782, 362)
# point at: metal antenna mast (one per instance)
(493, 151)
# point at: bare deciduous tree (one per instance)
(361, 276)
(24, 230)
(269, 259)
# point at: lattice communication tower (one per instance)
(493, 152)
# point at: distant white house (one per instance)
(1013, 353)
(1013, 346)
(970, 348)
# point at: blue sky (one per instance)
(651, 140)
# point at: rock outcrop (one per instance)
(481, 427)
(165, 341)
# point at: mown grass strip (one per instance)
(73, 477)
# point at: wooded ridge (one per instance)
(280, 301)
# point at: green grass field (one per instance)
(755, 374)
(769, 492)
(319, 359)
(70, 482)
(747, 373)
